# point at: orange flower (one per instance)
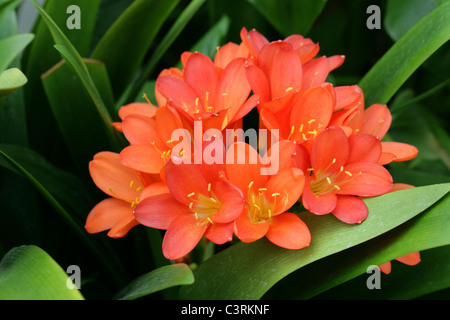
(198, 203)
(342, 169)
(150, 140)
(125, 186)
(267, 198)
(218, 97)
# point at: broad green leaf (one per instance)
(247, 271)
(40, 56)
(401, 15)
(425, 231)
(156, 280)
(290, 16)
(126, 43)
(72, 106)
(29, 273)
(11, 47)
(8, 19)
(72, 56)
(11, 80)
(162, 47)
(63, 191)
(406, 55)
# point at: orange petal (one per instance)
(350, 209)
(167, 121)
(247, 231)
(122, 227)
(258, 82)
(142, 158)
(245, 108)
(182, 236)
(290, 155)
(243, 166)
(153, 189)
(401, 151)
(312, 110)
(289, 184)
(287, 230)
(321, 204)
(179, 93)
(368, 180)
(140, 129)
(335, 62)
(184, 179)
(113, 178)
(267, 53)
(315, 72)
(253, 40)
(232, 202)
(159, 211)
(347, 96)
(139, 108)
(377, 120)
(364, 147)
(106, 214)
(329, 151)
(286, 72)
(233, 88)
(220, 233)
(201, 74)
(410, 259)
(225, 54)
(386, 267)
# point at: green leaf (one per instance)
(406, 55)
(126, 43)
(11, 80)
(68, 52)
(228, 274)
(401, 15)
(72, 106)
(63, 191)
(290, 16)
(162, 47)
(11, 47)
(29, 273)
(423, 232)
(156, 280)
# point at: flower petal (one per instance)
(182, 236)
(377, 120)
(174, 89)
(220, 233)
(139, 130)
(364, 148)
(233, 88)
(113, 178)
(318, 204)
(184, 179)
(287, 230)
(329, 151)
(137, 108)
(350, 209)
(368, 179)
(232, 200)
(286, 72)
(289, 184)
(142, 158)
(159, 211)
(201, 74)
(247, 231)
(258, 82)
(243, 166)
(106, 214)
(122, 227)
(315, 72)
(401, 151)
(410, 259)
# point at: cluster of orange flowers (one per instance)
(329, 149)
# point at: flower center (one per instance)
(303, 132)
(330, 182)
(204, 206)
(260, 205)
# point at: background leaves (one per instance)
(71, 83)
